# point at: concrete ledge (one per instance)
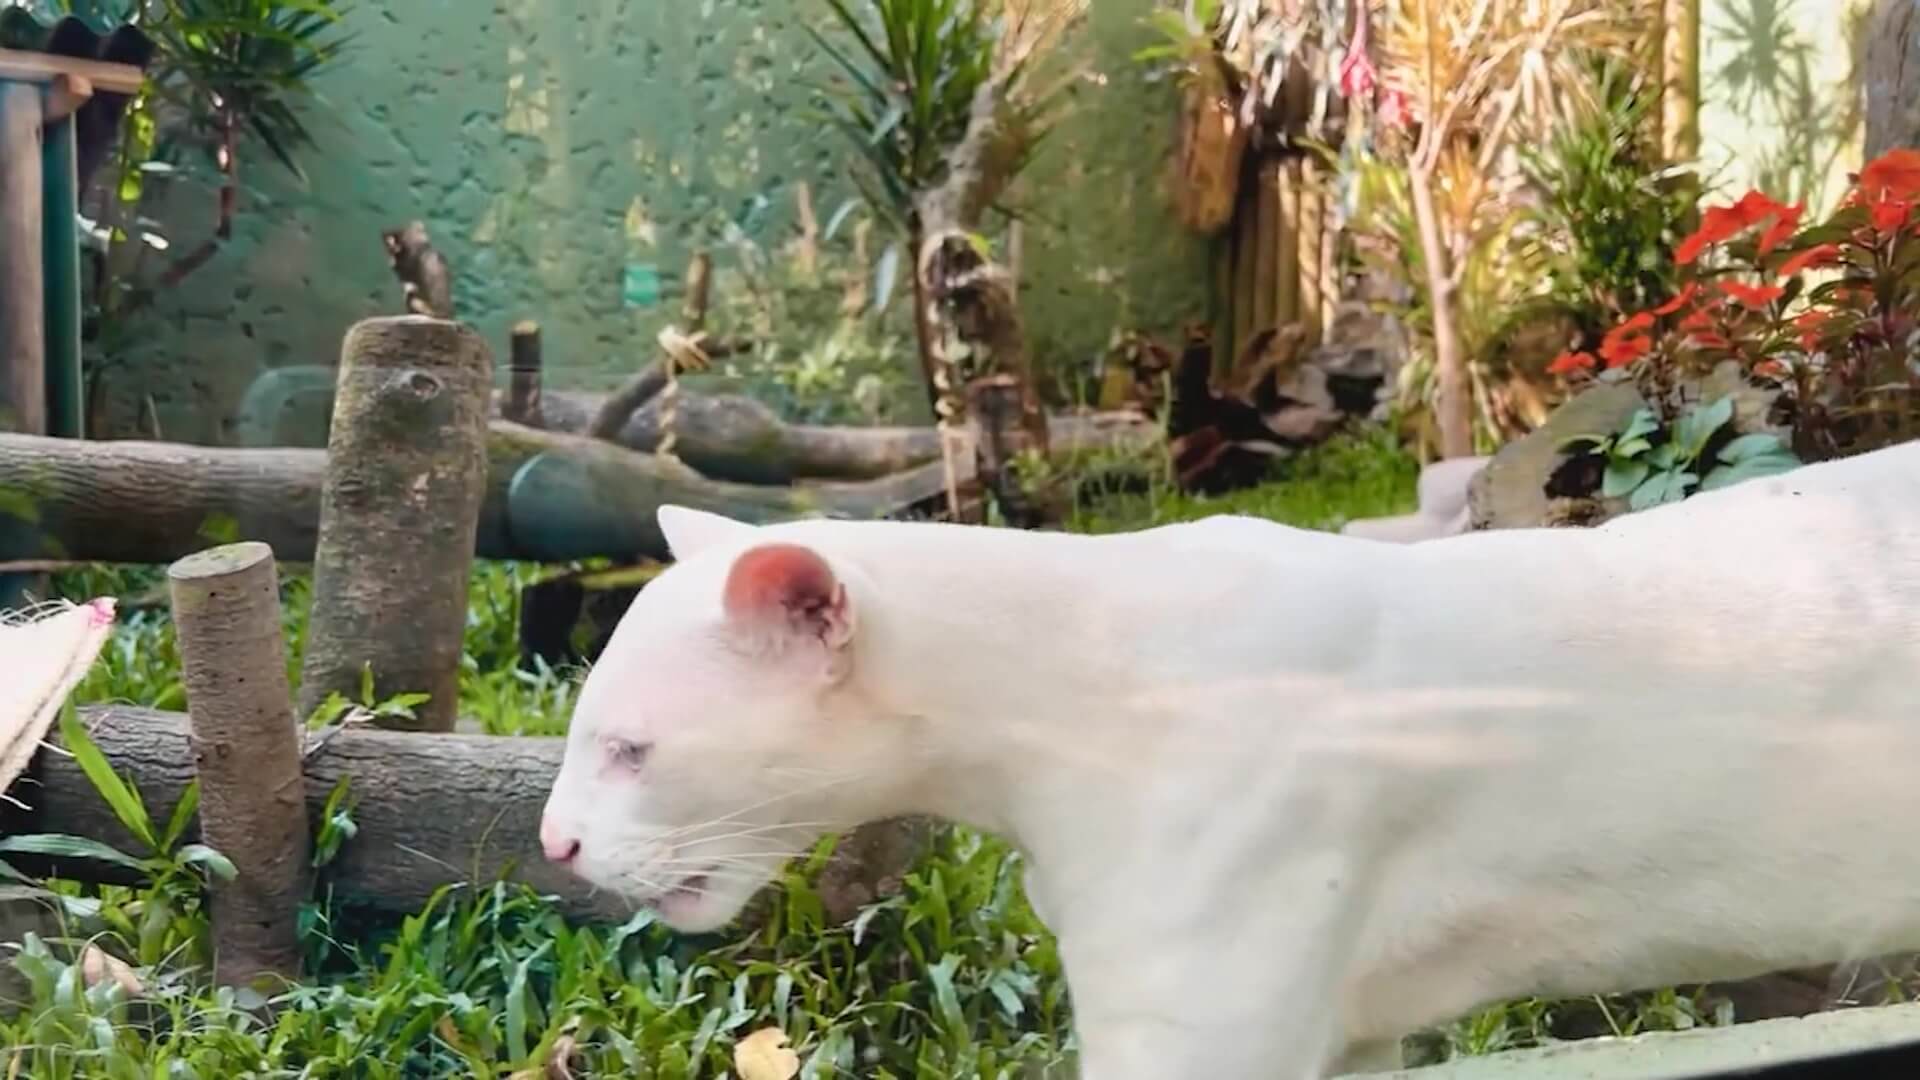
(1686, 1054)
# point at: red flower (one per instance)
(1569, 362)
(1395, 110)
(1357, 74)
(1682, 300)
(1708, 339)
(1722, 223)
(1752, 295)
(1699, 320)
(1893, 175)
(1770, 368)
(1627, 342)
(1819, 255)
(1783, 227)
(1890, 213)
(1810, 324)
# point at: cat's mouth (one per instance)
(686, 893)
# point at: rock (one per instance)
(1510, 492)
(1514, 492)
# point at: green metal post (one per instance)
(60, 242)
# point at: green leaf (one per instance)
(1631, 448)
(1661, 488)
(1622, 477)
(62, 846)
(1575, 441)
(1696, 428)
(1758, 444)
(1748, 468)
(1664, 457)
(217, 864)
(1640, 425)
(885, 271)
(119, 797)
(183, 812)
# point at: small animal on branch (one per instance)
(425, 280)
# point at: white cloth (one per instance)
(43, 654)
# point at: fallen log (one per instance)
(732, 437)
(429, 812)
(149, 502)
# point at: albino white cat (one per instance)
(1289, 796)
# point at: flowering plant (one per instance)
(1841, 350)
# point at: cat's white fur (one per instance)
(1289, 796)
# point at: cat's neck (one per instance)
(998, 665)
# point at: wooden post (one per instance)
(247, 754)
(23, 341)
(523, 377)
(23, 369)
(406, 472)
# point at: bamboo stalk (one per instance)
(1246, 231)
(1286, 303)
(1269, 254)
(1312, 194)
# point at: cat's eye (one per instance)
(628, 754)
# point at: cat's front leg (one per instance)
(1254, 997)
(1141, 1046)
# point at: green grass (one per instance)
(1353, 476)
(954, 977)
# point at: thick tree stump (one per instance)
(246, 752)
(406, 473)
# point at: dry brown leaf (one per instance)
(558, 1058)
(98, 966)
(764, 1055)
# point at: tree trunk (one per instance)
(1890, 76)
(923, 324)
(1453, 402)
(406, 474)
(246, 747)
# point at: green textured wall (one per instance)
(549, 145)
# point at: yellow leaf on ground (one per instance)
(764, 1055)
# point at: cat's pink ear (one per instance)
(788, 591)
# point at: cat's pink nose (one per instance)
(559, 846)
